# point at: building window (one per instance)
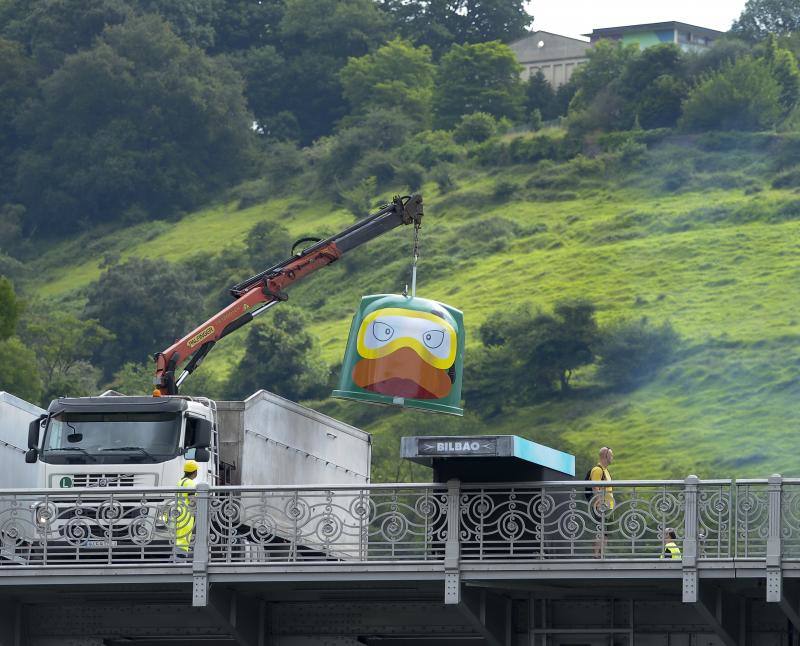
(684, 36)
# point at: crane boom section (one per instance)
(267, 288)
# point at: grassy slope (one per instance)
(722, 265)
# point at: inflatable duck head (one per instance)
(405, 351)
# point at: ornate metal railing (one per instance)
(380, 522)
(437, 523)
(96, 526)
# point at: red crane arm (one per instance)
(258, 293)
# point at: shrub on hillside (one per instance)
(138, 120)
(359, 198)
(631, 352)
(410, 176)
(787, 179)
(743, 95)
(443, 178)
(282, 357)
(379, 164)
(503, 190)
(162, 313)
(477, 127)
(675, 176)
(485, 236)
(430, 147)
(283, 161)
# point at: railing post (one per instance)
(452, 548)
(773, 564)
(200, 551)
(689, 560)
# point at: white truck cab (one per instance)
(123, 441)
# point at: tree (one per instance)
(478, 78)
(64, 344)
(762, 17)
(478, 126)
(9, 308)
(50, 30)
(146, 305)
(267, 243)
(135, 379)
(659, 105)
(561, 343)
(264, 71)
(607, 61)
(395, 74)
(539, 95)
(440, 24)
(527, 355)
(18, 76)
(784, 68)
(744, 95)
(18, 373)
(192, 20)
(282, 357)
(247, 24)
(318, 36)
(140, 123)
(631, 352)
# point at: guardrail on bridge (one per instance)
(450, 524)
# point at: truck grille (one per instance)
(110, 479)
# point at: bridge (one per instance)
(525, 563)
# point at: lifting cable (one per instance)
(417, 226)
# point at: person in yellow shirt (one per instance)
(602, 503)
(671, 549)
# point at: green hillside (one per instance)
(690, 231)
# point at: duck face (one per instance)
(406, 353)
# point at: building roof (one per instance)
(532, 34)
(654, 26)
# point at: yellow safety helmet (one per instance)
(190, 466)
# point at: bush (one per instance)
(504, 189)
(379, 164)
(444, 180)
(743, 95)
(631, 352)
(282, 162)
(358, 199)
(486, 236)
(491, 153)
(525, 150)
(477, 127)
(787, 179)
(676, 176)
(431, 147)
(410, 176)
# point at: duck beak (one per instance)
(403, 373)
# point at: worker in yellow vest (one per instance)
(184, 517)
(671, 549)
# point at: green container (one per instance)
(405, 351)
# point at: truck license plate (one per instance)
(101, 543)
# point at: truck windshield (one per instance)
(110, 438)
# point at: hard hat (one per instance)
(190, 466)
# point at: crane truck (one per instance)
(121, 441)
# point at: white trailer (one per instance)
(15, 416)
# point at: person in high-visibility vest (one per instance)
(184, 519)
(671, 549)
